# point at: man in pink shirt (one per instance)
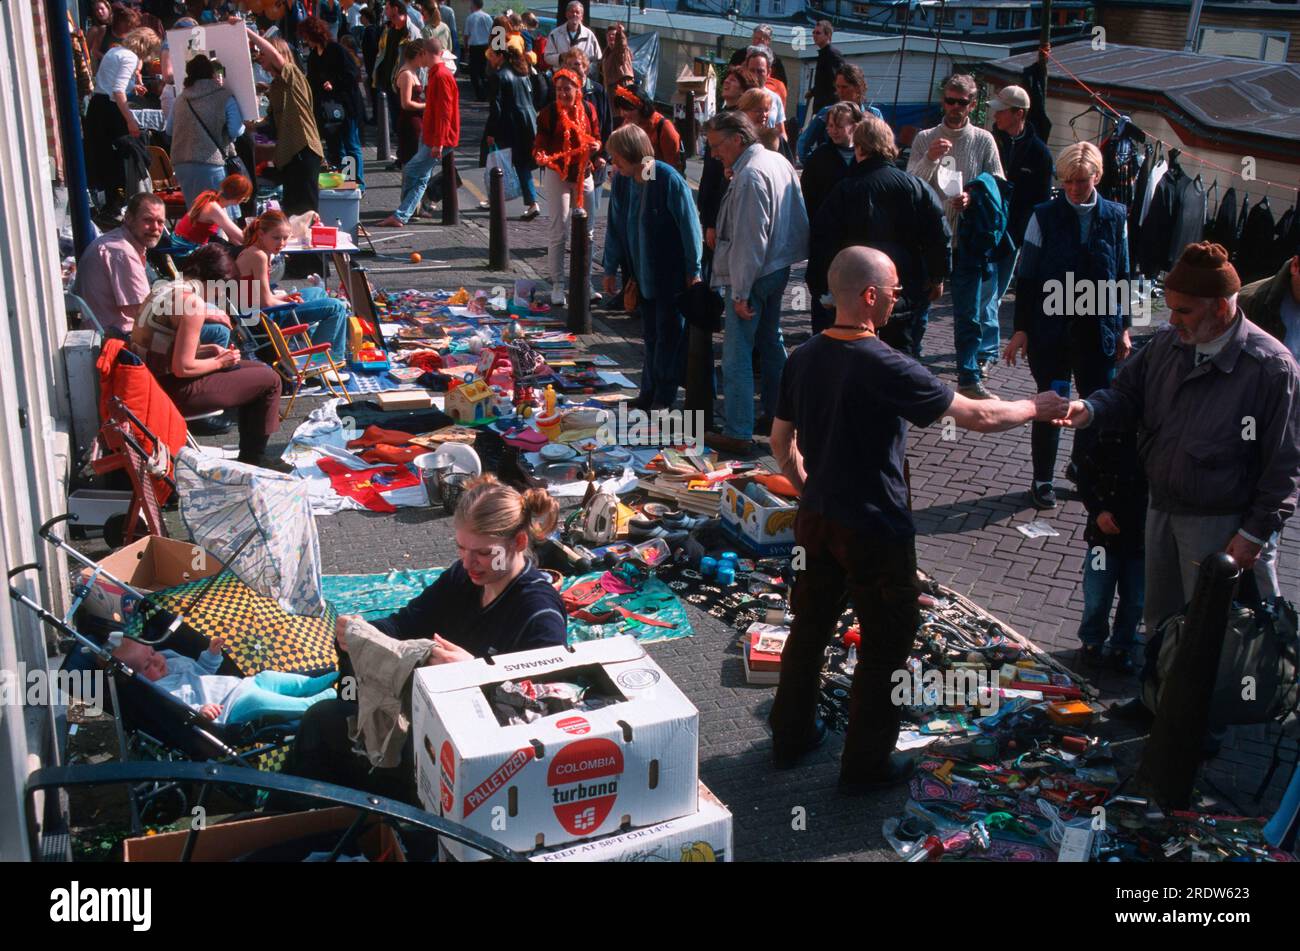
(111, 274)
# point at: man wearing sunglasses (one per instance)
(840, 436)
(956, 145)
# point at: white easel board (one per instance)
(228, 44)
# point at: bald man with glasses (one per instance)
(840, 436)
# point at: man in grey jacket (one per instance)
(1216, 402)
(762, 230)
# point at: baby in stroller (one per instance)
(233, 700)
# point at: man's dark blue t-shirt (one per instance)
(527, 615)
(848, 400)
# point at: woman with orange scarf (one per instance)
(568, 147)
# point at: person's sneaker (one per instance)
(483, 206)
(731, 444)
(557, 297)
(530, 213)
(898, 769)
(427, 210)
(1092, 654)
(1043, 496)
(216, 426)
(976, 391)
(597, 297)
(785, 756)
(1131, 711)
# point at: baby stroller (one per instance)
(150, 723)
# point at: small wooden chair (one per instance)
(299, 360)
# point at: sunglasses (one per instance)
(948, 100)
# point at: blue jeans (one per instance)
(1006, 268)
(415, 179)
(198, 177)
(974, 295)
(740, 338)
(350, 144)
(215, 333)
(527, 187)
(327, 318)
(1125, 571)
(664, 366)
(919, 323)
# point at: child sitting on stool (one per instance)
(233, 700)
(1114, 491)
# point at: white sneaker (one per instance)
(338, 379)
(557, 297)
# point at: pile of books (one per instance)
(763, 646)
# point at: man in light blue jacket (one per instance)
(762, 230)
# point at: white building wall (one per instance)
(33, 414)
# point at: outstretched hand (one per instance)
(1078, 416)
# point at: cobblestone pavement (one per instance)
(969, 494)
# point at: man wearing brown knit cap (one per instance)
(1216, 402)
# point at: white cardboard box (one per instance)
(703, 837)
(766, 529)
(564, 777)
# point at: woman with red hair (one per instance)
(335, 82)
(207, 218)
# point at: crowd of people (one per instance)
(882, 236)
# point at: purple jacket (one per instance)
(1219, 439)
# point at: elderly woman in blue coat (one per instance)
(654, 236)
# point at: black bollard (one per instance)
(1169, 764)
(498, 238)
(450, 191)
(382, 151)
(688, 127)
(699, 375)
(580, 275)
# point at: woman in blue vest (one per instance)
(1072, 314)
(654, 236)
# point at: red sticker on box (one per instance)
(584, 776)
(574, 725)
(486, 789)
(447, 776)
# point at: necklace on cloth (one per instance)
(849, 332)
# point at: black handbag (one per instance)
(333, 112)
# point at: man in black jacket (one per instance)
(1026, 161)
(880, 206)
(829, 59)
(1027, 164)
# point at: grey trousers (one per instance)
(1175, 547)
